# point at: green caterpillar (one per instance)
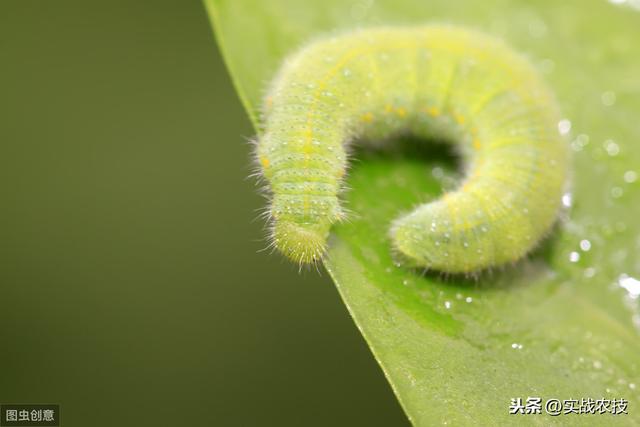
(430, 81)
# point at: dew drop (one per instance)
(575, 146)
(582, 140)
(611, 147)
(564, 126)
(567, 200)
(608, 98)
(468, 300)
(447, 305)
(574, 256)
(616, 192)
(630, 177)
(630, 284)
(437, 172)
(585, 245)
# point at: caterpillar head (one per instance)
(302, 222)
(304, 243)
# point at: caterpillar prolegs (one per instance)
(432, 81)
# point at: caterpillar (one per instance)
(433, 81)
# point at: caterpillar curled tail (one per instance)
(434, 82)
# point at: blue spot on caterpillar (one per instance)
(435, 82)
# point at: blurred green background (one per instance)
(131, 289)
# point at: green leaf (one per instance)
(456, 351)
